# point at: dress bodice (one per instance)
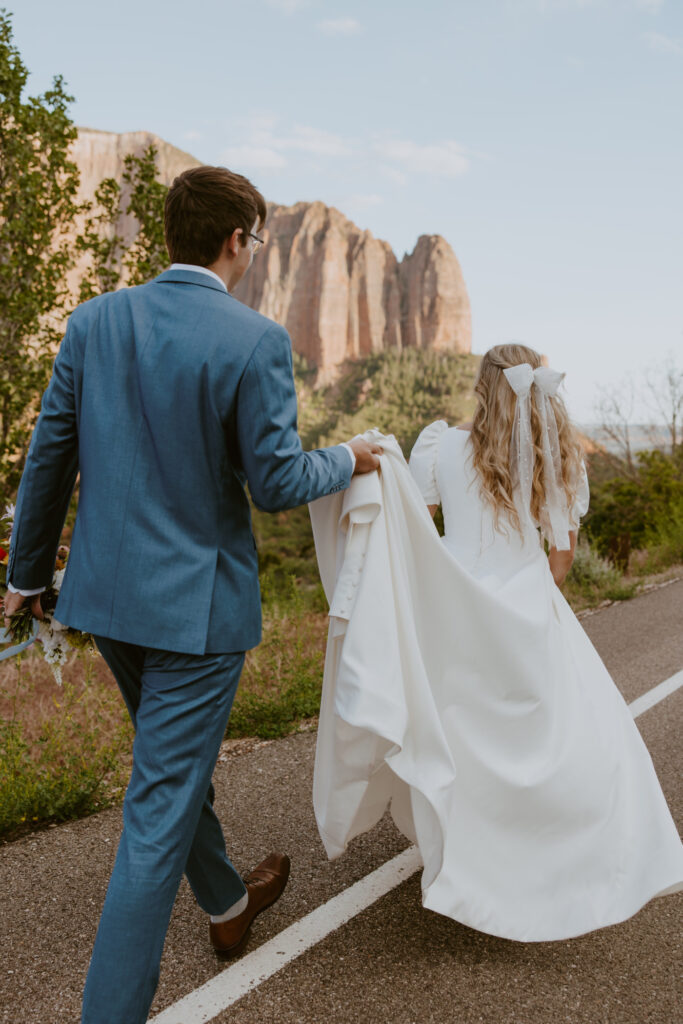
(442, 467)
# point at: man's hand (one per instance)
(367, 455)
(13, 602)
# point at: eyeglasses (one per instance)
(258, 242)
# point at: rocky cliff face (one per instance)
(340, 292)
(435, 307)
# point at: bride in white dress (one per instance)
(506, 751)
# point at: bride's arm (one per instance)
(561, 561)
(422, 464)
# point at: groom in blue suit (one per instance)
(169, 399)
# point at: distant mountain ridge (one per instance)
(339, 291)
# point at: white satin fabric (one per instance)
(461, 691)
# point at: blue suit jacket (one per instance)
(168, 398)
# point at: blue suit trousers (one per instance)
(179, 705)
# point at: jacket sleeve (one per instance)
(48, 480)
(280, 474)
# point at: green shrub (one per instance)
(286, 552)
(271, 717)
(66, 765)
(664, 540)
(282, 679)
(398, 392)
(592, 578)
(630, 512)
(590, 569)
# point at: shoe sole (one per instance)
(229, 952)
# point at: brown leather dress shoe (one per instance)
(265, 884)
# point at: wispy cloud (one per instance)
(262, 142)
(262, 147)
(258, 158)
(288, 6)
(363, 200)
(193, 136)
(562, 5)
(663, 44)
(445, 159)
(393, 174)
(340, 26)
(313, 140)
(652, 6)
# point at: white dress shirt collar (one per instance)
(199, 270)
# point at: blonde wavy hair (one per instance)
(491, 435)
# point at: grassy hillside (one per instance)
(399, 392)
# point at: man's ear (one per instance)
(233, 244)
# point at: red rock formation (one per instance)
(341, 293)
(435, 309)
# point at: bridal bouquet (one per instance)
(56, 639)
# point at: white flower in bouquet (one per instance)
(9, 516)
(52, 635)
(57, 639)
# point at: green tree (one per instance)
(100, 240)
(38, 184)
(148, 255)
(399, 392)
(107, 255)
(625, 512)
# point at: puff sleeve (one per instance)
(422, 462)
(581, 500)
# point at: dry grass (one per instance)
(66, 751)
(28, 688)
(267, 666)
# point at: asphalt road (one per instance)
(394, 963)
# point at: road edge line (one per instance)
(224, 989)
(656, 694)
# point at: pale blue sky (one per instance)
(542, 138)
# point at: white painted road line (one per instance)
(657, 693)
(216, 995)
(226, 988)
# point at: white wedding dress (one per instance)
(461, 690)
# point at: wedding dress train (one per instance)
(461, 691)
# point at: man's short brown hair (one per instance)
(203, 207)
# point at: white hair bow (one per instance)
(555, 514)
(521, 377)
